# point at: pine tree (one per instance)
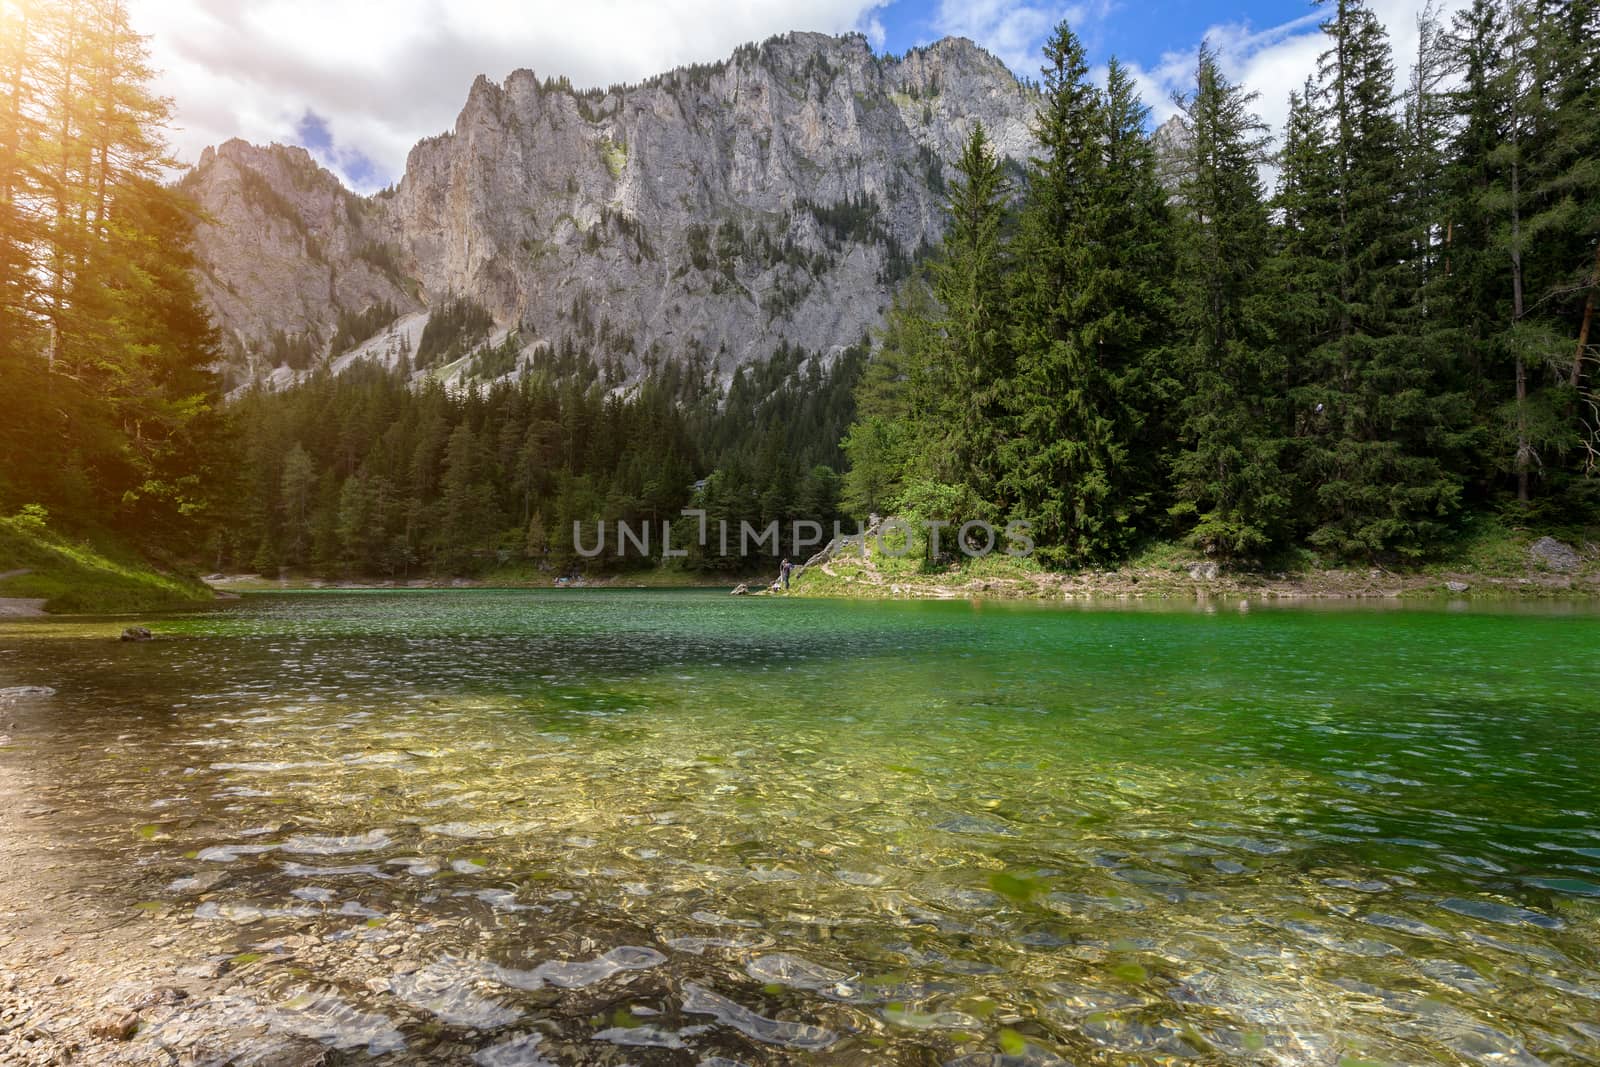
(104, 344)
(1563, 156)
(1230, 474)
(1383, 429)
(1132, 306)
(969, 278)
(1524, 183)
(1058, 464)
(297, 496)
(897, 402)
(1475, 299)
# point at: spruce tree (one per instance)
(1382, 430)
(1563, 257)
(897, 403)
(1230, 477)
(969, 279)
(1060, 461)
(104, 344)
(1130, 319)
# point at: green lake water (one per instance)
(678, 827)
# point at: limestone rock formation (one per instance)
(1554, 555)
(713, 211)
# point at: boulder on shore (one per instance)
(1204, 572)
(137, 633)
(1555, 555)
(741, 590)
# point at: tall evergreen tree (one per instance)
(1382, 430)
(105, 347)
(1230, 474)
(969, 279)
(1059, 464)
(897, 404)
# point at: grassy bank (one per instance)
(95, 576)
(511, 576)
(1490, 561)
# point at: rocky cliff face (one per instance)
(717, 210)
(283, 248)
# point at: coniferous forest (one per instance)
(1398, 334)
(108, 407)
(1351, 335)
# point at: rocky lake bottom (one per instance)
(572, 827)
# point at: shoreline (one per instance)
(168, 995)
(1088, 587)
(233, 585)
(866, 578)
(850, 580)
(22, 607)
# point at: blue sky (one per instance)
(358, 82)
(1139, 33)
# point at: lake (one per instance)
(508, 827)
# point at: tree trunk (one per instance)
(104, 106)
(1523, 447)
(18, 76)
(63, 177)
(1588, 318)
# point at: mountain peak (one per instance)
(713, 211)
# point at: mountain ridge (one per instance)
(710, 213)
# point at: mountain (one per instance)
(714, 211)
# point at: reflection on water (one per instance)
(671, 827)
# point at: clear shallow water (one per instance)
(666, 827)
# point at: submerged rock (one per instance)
(116, 1026)
(137, 633)
(24, 692)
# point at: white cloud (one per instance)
(383, 73)
(380, 74)
(1014, 30)
(1275, 61)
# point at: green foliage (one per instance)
(497, 361)
(615, 157)
(1229, 475)
(854, 220)
(1089, 298)
(295, 351)
(31, 519)
(86, 577)
(364, 474)
(107, 399)
(385, 258)
(355, 327)
(1407, 330)
(973, 355)
(452, 330)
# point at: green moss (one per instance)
(98, 577)
(615, 156)
(1014, 886)
(1012, 1043)
(1487, 547)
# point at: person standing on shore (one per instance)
(783, 571)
